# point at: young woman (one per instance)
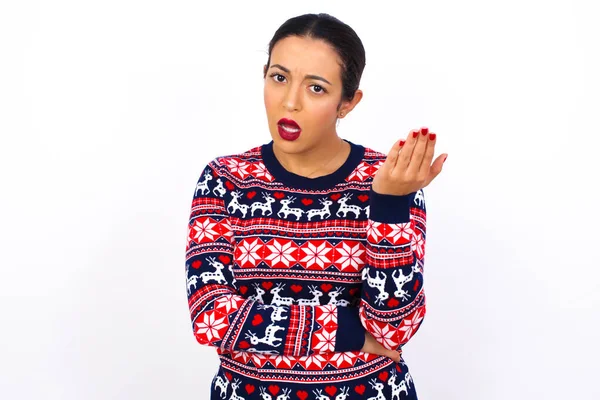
(305, 255)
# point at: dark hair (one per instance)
(339, 35)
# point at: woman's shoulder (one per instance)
(239, 165)
(370, 155)
(246, 156)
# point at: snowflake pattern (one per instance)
(227, 304)
(324, 341)
(327, 315)
(204, 230)
(316, 255)
(351, 257)
(374, 233)
(211, 326)
(360, 173)
(248, 253)
(238, 167)
(282, 252)
(260, 171)
(410, 325)
(384, 334)
(399, 234)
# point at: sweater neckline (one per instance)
(328, 181)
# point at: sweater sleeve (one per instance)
(223, 317)
(392, 304)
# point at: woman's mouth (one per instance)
(288, 129)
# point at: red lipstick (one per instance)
(288, 129)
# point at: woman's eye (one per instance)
(321, 90)
(277, 76)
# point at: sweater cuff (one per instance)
(389, 208)
(350, 335)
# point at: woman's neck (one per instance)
(321, 160)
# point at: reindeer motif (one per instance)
(219, 190)
(264, 207)
(320, 395)
(264, 395)
(235, 205)
(276, 315)
(343, 395)
(269, 337)
(408, 378)
(235, 385)
(286, 210)
(217, 275)
(322, 212)
(192, 280)
(367, 210)
(346, 208)
(333, 297)
(277, 299)
(233, 280)
(315, 301)
(378, 282)
(285, 395)
(397, 388)
(259, 293)
(203, 185)
(222, 384)
(419, 197)
(379, 387)
(400, 280)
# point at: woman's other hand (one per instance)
(374, 347)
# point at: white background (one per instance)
(110, 109)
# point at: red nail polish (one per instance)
(444, 159)
(402, 143)
(415, 133)
(424, 130)
(432, 136)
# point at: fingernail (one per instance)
(424, 130)
(445, 159)
(432, 136)
(415, 133)
(402, 143)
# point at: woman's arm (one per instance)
(392, 303)
(222, 317)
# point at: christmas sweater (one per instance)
(286, 273)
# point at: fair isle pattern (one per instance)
(283, 280)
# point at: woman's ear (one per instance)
(348, 106)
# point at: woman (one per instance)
(305, 255)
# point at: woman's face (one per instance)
(303, 84)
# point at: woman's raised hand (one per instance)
(408, 166)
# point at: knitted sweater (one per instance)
(285, 273)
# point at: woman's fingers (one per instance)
(406, 154)
(435, 169)
(408, 166)
(427, 157)
(418, 154)
(392, 157)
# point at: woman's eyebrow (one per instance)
(315, 77)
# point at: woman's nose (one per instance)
(292, 100)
